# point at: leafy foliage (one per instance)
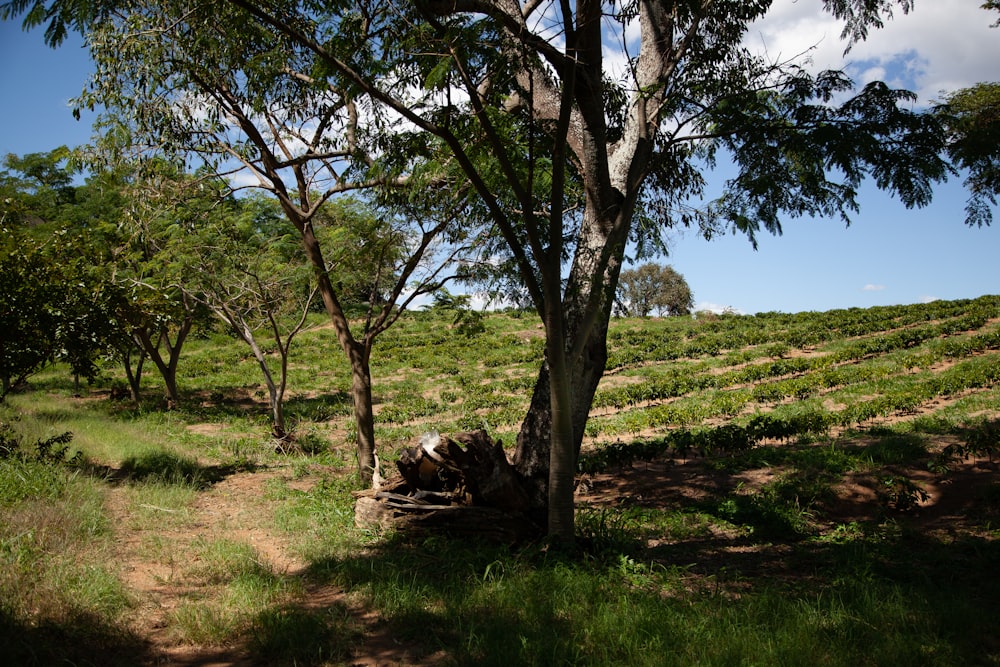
(56, 300)
(972, 116)
(652, 287)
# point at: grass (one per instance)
(250, 588)
(497, 607)
(752, 572)
(61, 599)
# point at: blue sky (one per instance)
(889, 254)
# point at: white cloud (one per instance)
(872, 288)
(941, 45)
(708, 306)
(928, 299)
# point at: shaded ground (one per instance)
(158, 556)
(157, 562)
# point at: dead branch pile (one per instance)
(459, 485)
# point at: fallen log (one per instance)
(463, 486)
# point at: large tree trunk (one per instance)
(531, 458)
(562, 451)
(582, 317)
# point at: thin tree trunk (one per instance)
(134, 377)
(168, 367)
(364, 418)
(278, 398)
(358, 352)
(277, 414)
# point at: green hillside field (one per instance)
(815, 488)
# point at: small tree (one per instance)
(254, 279)
(652, 287)
(56, 299)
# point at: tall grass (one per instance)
(57, 571)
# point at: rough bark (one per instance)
(358, 352)
(364, 418)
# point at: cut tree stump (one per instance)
(463, 485)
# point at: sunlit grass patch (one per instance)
(321, 519)
(155, 505)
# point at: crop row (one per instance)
(726, 333)
(817, 372)
(883, 398)
(732, 437)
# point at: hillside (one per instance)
(812, 488)
(833, 369)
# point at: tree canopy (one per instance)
(56, 299)
(972, 116)
(652, 287)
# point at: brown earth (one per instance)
(230, 510)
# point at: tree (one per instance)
(253, 277)
(212, 85)
(154, 264)
(972, 116)
(652, 287)
(27, 297)
(689, 90)
(56, 299)
(100, 216)
(526, 84)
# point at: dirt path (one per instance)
(158, 549)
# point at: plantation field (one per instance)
(811, 488)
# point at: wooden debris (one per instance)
(463, 485)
